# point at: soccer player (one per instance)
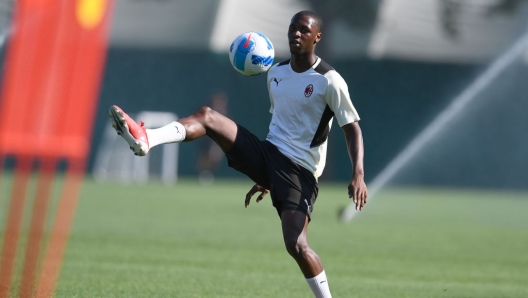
(306, 94)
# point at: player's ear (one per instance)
(318, 37)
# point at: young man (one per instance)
(305, 93)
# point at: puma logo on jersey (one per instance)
(275, 80)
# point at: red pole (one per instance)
(61, 229)
(14, 220)
(38, 221)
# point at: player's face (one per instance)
(303, 34)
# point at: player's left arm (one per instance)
(338, 98)
(357, 189)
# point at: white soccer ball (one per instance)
(251, 53)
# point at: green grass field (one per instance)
(188, 240)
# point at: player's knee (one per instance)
(296, 248)
(203, 112)
(206, 114)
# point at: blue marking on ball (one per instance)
(241, 54)
(266, 61)
(270, 46)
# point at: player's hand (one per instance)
(256, 188)
(357, 189)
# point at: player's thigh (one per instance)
(248, 155)
(219, 128)
(294, 226)
(292, 186)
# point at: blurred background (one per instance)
(404, 61)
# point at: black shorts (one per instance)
(291, 186)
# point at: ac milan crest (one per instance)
(308, 91)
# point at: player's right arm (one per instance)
(256, 188)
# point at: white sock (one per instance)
(172, 133)
(319, 286)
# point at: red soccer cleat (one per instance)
(135, 134)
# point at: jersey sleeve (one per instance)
(338, 99)
(268, 80)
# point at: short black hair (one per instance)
(318, 21)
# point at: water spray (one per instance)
(457, 105)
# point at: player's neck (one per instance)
(301, 63)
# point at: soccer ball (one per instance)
(251, 53)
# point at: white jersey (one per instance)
(303, 106)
